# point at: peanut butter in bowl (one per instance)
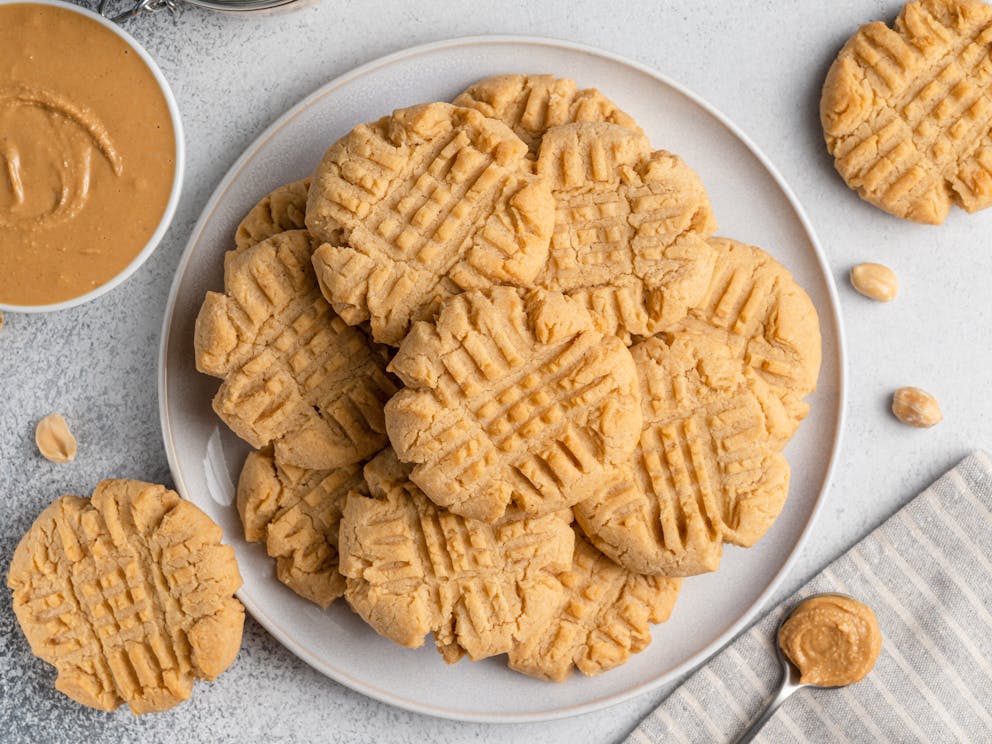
(90, 155)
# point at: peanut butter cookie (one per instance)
(603, 617)
(906, 111)
(630, 229)
(283, 209)
(755, 306)
(532, 104)
(295, 375)
(296, 512)
(512, 398)
(413, 568)
(707, 469)
(128, 595)
(421, 205)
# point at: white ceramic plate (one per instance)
(751, 202)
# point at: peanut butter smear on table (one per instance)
(87, 154)
(833, 640)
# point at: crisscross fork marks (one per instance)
(126, 597)
(630, 228)
(431, 200)
(297, 512)
(547, 454)
(296, 375)
(514, 416)
(706, 469)
(742, 303)
(446, 184)
(592, 234)
(124, 605)
(263, 285)
(603, 618)
(511, 399)
(318, 373)
(907, 112)
(954, 105)
(699, 454)
(766, 318)
(413, 568)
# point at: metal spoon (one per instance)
(789, 682)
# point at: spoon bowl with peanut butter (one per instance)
(828, 640)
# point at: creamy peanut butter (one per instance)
(87, 154)
(833, 640)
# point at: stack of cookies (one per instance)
(503, 384)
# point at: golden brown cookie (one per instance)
(430, 201)
(512, 397)
(630, 230)
(707, 470)
(295, 375)
(906, 111)
(532, 104)
(283, 209)
(603, 617)
(755, 306)
(296, 512)
(128, 595)
(413, 568)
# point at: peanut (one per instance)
(916, 407)
(54, 439)
(875, 281)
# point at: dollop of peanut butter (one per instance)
(833, 640)
(55, 441)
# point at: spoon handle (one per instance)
(785, 690)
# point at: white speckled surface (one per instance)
(759, 64)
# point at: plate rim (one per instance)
(750, 614)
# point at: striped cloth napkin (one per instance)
(927, 574)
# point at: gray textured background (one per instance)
(761, 63)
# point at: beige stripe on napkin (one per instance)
(927, 573)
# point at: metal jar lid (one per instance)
(144, 7)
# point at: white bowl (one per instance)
(177, 179)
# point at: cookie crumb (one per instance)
(55, 441)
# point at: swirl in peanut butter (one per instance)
(833, 640)
(47, 148)
(87, 154)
